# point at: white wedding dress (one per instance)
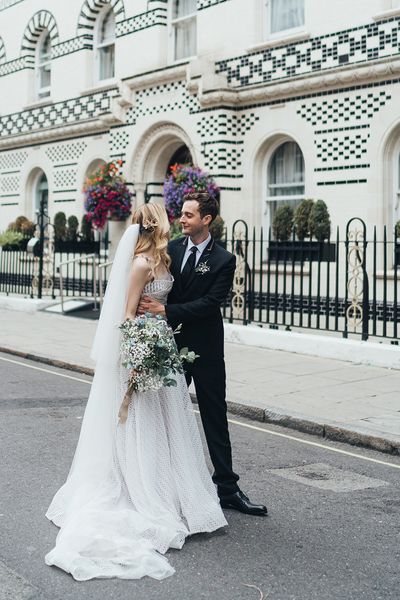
(156, 490)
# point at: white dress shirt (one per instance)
(200, 249)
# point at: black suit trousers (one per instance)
(210, 382)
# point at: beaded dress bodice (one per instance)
(158, 289)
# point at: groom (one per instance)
(203, 272)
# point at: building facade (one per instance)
(278, 99)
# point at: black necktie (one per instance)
(189, 265)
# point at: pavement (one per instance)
(337, 400)
(332, 533)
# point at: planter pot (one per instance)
(397, 253)
(302, 251)
(20, 247)
(77, 247)
(116, 230)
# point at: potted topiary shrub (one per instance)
(218, 231)
(11, 240)
(312, 219)
(282, 228)
(282, 224)
(302, 219)
(69, 240)
(72, 228)
(60, 230)
(320, 223)
(309, 220)
(320, 229)
(397, 243)
(25, 230)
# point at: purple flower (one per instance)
(183, 180)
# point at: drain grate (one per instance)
(327, 477)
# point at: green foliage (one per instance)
(282, 224)
(24, 226)
(11, 238)
(175, 230)
(397, 229)
(302, 218)
(217, 228)
(60, 226)
(320, 223)
(72, 229)
(86, 230)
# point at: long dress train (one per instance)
(120, 521)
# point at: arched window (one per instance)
(184, 28)
(285, 178)
(105, 48)
(41, 195)
(43, 65)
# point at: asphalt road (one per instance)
(333, 532)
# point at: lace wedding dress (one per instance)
(156, 492)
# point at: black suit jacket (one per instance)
(198, 305)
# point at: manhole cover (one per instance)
(326, 477)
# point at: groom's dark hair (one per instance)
(207, 204)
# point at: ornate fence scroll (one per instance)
(357, 301)
(239, 289)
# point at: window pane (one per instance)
(42, 193)
(107, 32)
(106, 57)
(45, 49)
(286, 171)
(182, 8)
(398, 175)
(185, 39)
(286, 14)
(44, 76)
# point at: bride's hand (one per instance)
(150, 305)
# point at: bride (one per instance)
(138, 484)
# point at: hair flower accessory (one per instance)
(202, 268)
(149, 225)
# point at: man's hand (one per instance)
(150, 305)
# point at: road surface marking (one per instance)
(16, 362)
(234, 422)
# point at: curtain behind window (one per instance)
(286, 172)
(185, 29)
(185, 39)
(286, 14)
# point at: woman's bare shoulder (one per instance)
(141, 263)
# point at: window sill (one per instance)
(38, 103)
(281, 41)
(182, 61)
(106, 84)
(387, 14)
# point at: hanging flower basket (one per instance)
(183, 180)
(107, 196)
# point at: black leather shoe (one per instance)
(239, 501)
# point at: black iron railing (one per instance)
(16, 272)
(348, 284)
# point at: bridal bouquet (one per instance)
(149, 351)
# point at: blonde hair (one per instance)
(153, 232)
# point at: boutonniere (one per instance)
(202, 268)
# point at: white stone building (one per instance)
(279, 99)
